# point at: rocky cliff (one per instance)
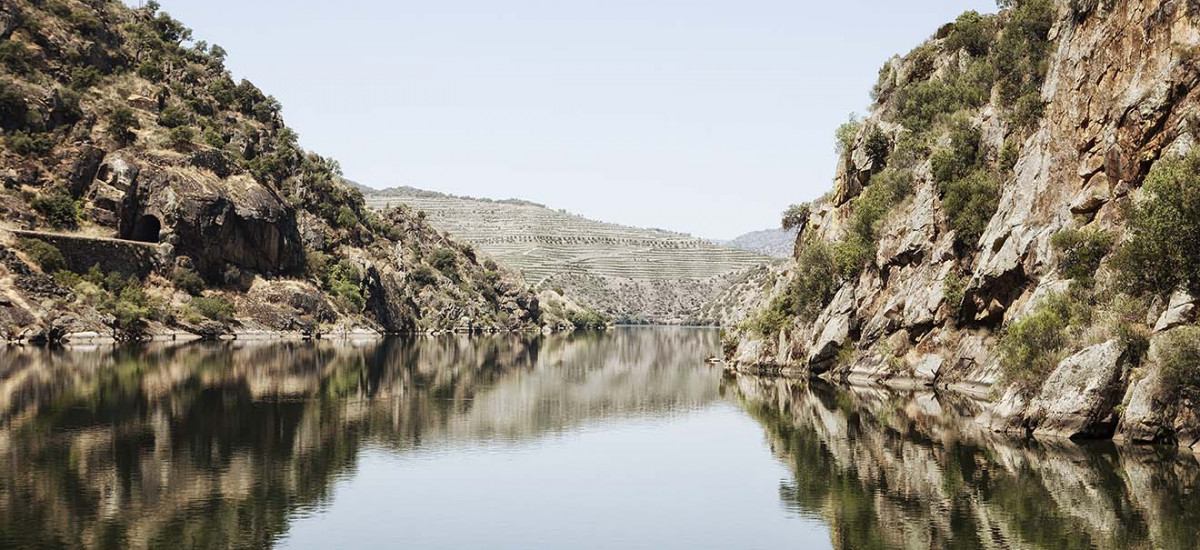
(1013, 218)
(119, 126)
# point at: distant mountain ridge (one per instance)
(635, 274)
(776, 243)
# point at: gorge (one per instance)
(984, 335)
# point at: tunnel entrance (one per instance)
(146, 229)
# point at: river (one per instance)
(620, 439)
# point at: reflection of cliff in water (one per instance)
(912, 471)
(216, 445)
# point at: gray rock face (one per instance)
(1178, 312)
(1117, 96)
(219, 223)
(1077, 399)
(835, 323)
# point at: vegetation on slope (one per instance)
(933, 110)
(82, 80)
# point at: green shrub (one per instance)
(969, 191)
(1030, 347)
(1009, 155)
(954, 287)
(1160, 254)
(45, 255)
(15, 56)
(212, 138)
(217, 308)
(348, 293)
(151, 70)
(58, 208)
(962, 157)
(180, 138)
(920, 105)
(876, 147)
(1080, 252)
(587, 319)
(119, 296)
(816, 277)
(969, 204)
(444, 260)
(188, 281)
(971, 32)
(423, 276)
(121, 124)
(846, 134)
(885, 190)
(1022, 53)
(174, 117)
(796, 216)
(344, 281)
(129, 310)
(1179, 359)
(83, 78)
(29, 144)
(345, 217)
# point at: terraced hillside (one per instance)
(633, 273)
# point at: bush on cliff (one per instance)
(29, 144)
(1179, 358)
(45, 255)
(1031, 347)
(1080, 252)
(121, 124)
(969, 190)
(971, 32)
(1161, 252)
(796, 216)
(180, 139)
(812, 286)
(586, 319)
(58, 208)
(218, 308)
(445, 261)
(188, 281)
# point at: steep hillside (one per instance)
(1018, 213)
(631, 273)
(204, 213)
(776, 243)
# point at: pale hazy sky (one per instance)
(701, 116)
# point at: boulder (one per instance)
(1078, 398)
(1178, 312)
(835, 323)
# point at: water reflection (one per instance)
(218, 445)
(912, 471)
(235, 444)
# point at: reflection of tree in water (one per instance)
(217, 445)
(913, 471)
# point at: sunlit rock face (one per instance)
(913, 470)
(220, 443)
(1118, 94)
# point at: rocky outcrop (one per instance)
(146, 159)
(1078, 398)
(1120, 91)
(236, 221)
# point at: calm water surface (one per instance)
(618, 440)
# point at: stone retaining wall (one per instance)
(81, 253)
